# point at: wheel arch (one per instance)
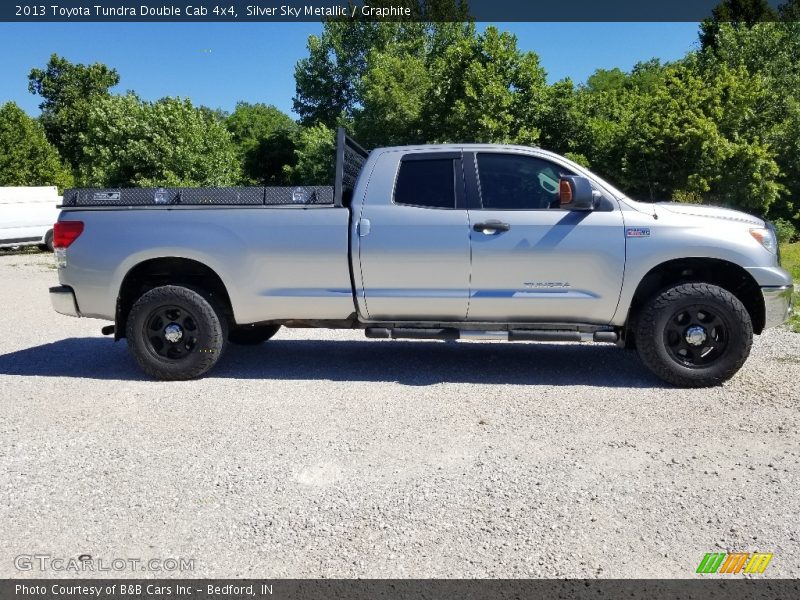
(719, 272)
(154, 272)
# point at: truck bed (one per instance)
(276, 262)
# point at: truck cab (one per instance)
(478, 233)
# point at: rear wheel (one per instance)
(694, 335)
(251, 335)
(175, 333)
(47, 246)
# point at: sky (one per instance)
(218, 64)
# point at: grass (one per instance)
(790, 259)
(20, 250)
(794, 320)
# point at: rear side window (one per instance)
(515, 182)
(426, 183)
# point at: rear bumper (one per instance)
(63, 300)
(777, 304)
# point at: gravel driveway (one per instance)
(321, 453)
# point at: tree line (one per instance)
(720, 126)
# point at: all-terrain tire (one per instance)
(715, 321)
(251, 335)
(173, 311)
(47, 246)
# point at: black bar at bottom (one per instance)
(543, 335)
(421, 333)
(721, 587)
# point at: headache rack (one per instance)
(350, 158)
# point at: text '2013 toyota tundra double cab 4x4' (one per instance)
(447, 242)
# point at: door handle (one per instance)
(491, 227)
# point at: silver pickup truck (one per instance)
(447, 242)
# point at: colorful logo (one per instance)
(734, 562)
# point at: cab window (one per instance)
(516, 182)
(426, 183)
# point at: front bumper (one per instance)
(63, 300)
(777, 304)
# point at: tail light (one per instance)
(66, 232)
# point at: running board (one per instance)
(515, 335)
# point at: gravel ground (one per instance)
(323, 454)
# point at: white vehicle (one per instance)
(27, 215)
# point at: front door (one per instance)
(533, 261)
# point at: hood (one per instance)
(712, 212)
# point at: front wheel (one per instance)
(174, 333)
(694, 335)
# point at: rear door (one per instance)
(414, 240)
(533, 261)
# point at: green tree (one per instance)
(129, 142)
(691, 139)
(768, 52)
(564, 125)
(736, 13)
(603, 80)
(395, 90)
(591, 122)
(328, 80)
(26, 157)
(425, 82)
(315, 157)
(406, 85)
(69, 91)
(486, 90)
(789, 12)
(264, 141)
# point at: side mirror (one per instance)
(576, 193)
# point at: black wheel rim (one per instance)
(171, 332)
(696, 336)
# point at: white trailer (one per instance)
(27, 215)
